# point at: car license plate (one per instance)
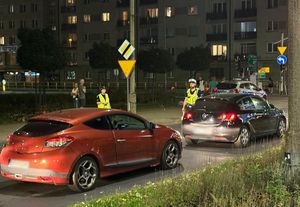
(18, 164)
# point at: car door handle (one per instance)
(121, 140)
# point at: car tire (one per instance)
(191, 141)
(85, 175)
(244, 138)
(170, 155)
(281, 129)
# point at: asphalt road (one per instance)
(37, 195)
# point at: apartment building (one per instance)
(232, 28)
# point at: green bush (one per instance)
(256, 180)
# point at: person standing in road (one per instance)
(192, 94)
(74, 94)
(271, 85)
(81, 93)
(213, 84)
(201, 83)
(103, 99)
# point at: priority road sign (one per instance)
(281, 59)
(126, 49)
(281, 50)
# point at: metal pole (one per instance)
(132, 98)
(229, 39)
(128, 92)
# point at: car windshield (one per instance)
(35, 128)
(212, 105)
(226, 86)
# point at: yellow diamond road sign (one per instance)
(281, 50)
(127, 66)
(126, 49)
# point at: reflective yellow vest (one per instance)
(102, 100)
(191, 98)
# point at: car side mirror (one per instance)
(151, 126)
(272, 106)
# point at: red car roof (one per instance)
(74, 116)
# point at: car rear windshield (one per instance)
(226, 86)
(36, 128)
(213, 105)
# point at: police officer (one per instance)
(192, 94)
(103, 99)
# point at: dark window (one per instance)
(100, 123)
(260, 104)
(212, 105)
(246, 104)
(35, 128)
(226, 86)
(125, 122)
(245, 86)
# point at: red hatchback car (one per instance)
(76, 146)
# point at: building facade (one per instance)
(240, 33)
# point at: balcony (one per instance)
(216, 16)
(146, 2)
(122, 3)
(68, 27)
(245, 13)
(149, 40)
(245, 35)
(68, 9)
(122, 23)
(216, 37)
(148, 20)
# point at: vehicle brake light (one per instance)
(236, 90)
(187, 116)
(228, 117)
(215, 89)
(60, 141)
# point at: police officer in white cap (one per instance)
(192, 94)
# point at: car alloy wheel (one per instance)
(85, 175)
(244, 137)
(281, 128)
(170, 155)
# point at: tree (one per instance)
(103, 57)
(40, 52)
(155, 61)
(194, 59)
(293, 146)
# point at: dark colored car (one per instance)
(76, 146)
(233, 118)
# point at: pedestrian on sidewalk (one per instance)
(103, 99)
(201, 86)
(213, 84)
(271, 85)
(81, 93)
(74, 94)
(192, 94)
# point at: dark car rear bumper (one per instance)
(210, 133)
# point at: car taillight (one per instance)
(215, 89)
(188, 116)
(228, 117)
(236, 90)
(60, 141)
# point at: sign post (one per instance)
(127, 66)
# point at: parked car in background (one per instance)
(241, 87)
(75, 147)
(232, 118)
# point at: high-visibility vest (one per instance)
(102, 100)
(191, 98)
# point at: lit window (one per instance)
(53, 28)
(170, 11)
(70, 2)
(152, 12)
(72, 19)
(105, 16)
(125, 16)
(86, 18)
(192, 10)
(2, 40)
(219, 50)
(11, 8)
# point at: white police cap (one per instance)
(192, 80)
